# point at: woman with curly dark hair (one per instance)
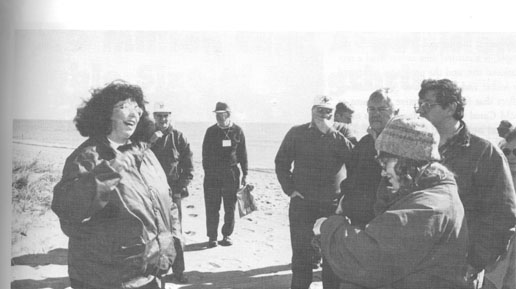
(113, 201)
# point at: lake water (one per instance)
(263, 139)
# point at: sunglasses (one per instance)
(507, 152)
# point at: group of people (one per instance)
(425, 203)
(418, 202)
(119, 199)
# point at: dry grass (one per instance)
(32, 185)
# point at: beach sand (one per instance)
(259, 258)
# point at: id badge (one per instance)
(226, 143)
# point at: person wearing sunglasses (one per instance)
(309, 166)
(482, 172)
(113, 200)
(418, 237)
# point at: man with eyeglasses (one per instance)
(485, 185)
(172, 150)
(364, 172)
(309, 167)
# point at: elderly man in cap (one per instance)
(223, 149)
(308, 166)
(173, 152)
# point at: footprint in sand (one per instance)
(214, 264)
(191, 233)
(193, 215)
(190, 206)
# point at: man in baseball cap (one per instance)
(173, 152)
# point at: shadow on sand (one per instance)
(276, 277)
(54, 283)
(56, 256)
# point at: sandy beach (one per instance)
(259, 258)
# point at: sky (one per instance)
(266, 74)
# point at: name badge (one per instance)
(226, 142)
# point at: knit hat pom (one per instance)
(412, 137)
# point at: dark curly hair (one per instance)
(93, 118)
(447, 93)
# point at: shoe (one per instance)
(180, 278)
(212, 243)
(226, 241)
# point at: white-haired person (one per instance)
(418, 238)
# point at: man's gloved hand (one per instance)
(244, 181)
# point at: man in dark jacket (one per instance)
(364, 172)
(318, 152)
(173, 152)
(482, 172)
(223, 149)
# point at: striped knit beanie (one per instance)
(412, 137)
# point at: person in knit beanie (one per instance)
(418, 238)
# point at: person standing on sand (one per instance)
(173, 152)
(364, 172)
(113, 200)
(482, 172)
(223, 148)
(308, 166)
(419, 237)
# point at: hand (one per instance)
(244, 181)
(339, 210)
(297, 194)
(372, 133)
(475, 277)
(323, 124)
(317, 226)
(155, 136)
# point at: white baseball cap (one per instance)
(161, 106)
(324, 101)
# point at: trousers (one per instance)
(302, 217)
(220, 185)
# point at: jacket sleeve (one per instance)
(387, 250)
(185, 162)
(283, 162)
(206, 149)
(496, 219)
(242, 153)
(84, 189)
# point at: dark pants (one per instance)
(220, 185)
(302, 217)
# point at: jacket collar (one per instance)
(461, 139)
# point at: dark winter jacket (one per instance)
(311, 162)
(174, 155)
(487, 192)
(129, 240)
(419, 240)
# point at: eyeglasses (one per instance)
(424, 106)
(382, 109)
(323, 110)
(127, 106)
(507, 152)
